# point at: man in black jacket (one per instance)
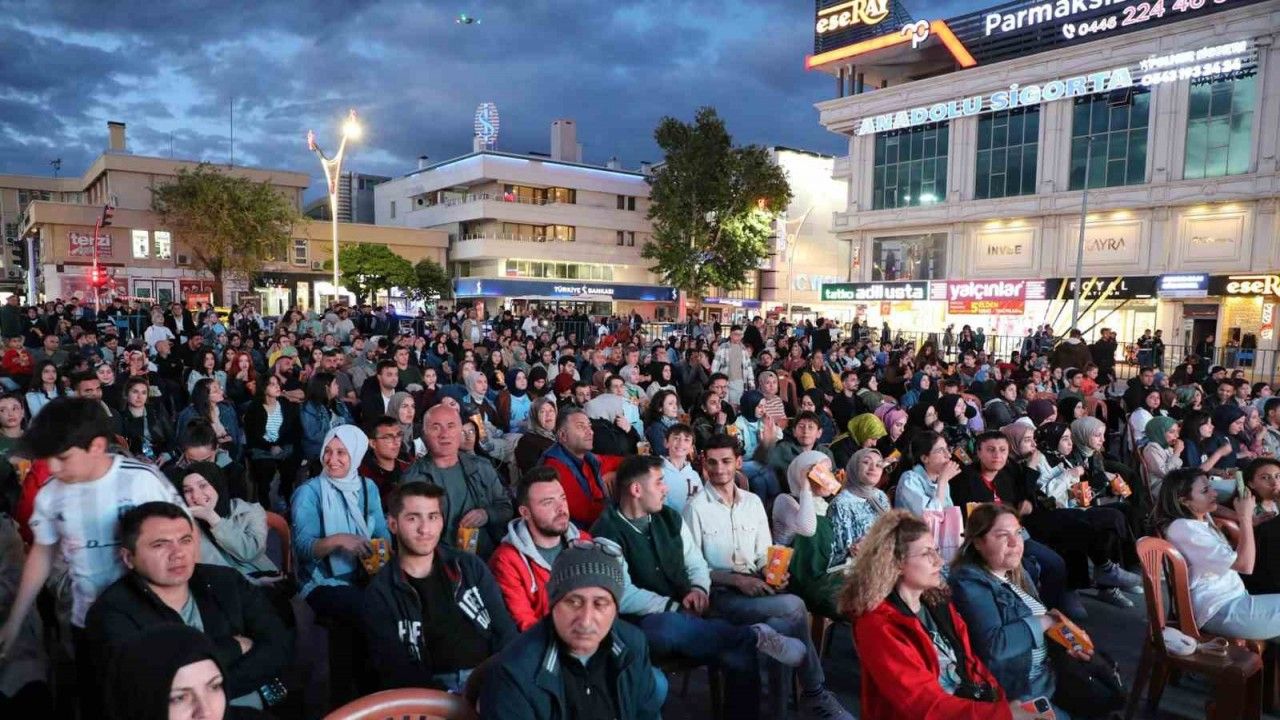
(159, 545)
(436, 613)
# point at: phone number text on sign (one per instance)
(1133, 15)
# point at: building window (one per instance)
(621, 238)
(568, 196)
(1007, 150)
(622, 202)
(393, 209)
(299, 251)
(909, 257)
(1219, 127)
(1111, 128)
(164, 244)
(631, 239)
(141, 244)
(631, 202)
(910, 167)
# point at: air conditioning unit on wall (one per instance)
(184, 259)
(317, 264)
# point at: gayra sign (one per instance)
(993, 297)
(1014, 96)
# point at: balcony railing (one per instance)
(512, 236)
(500, 197)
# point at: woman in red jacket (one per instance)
(913, 646)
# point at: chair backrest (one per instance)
(280, 527)
(1230, 528)
(405, 704)
(1157, 556)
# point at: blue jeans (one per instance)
(762, 480)
(1053, 572)
(729, 647)
(783, 612)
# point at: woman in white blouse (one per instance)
(1219, 599)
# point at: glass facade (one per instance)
(910, 167)
(1008, 146)
(1109, 134)
(909, 257)
(566, 271)
(1219, 127)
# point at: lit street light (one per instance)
(351, 130)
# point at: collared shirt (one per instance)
(733, 538)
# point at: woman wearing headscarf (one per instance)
(1163, 452)
(1070, 408)
(1228, 425)
(820, 561)
(169, 671)
(514, 402)
(894, 444)
(814, 401)
(1042, 411)
(773, 405)
(951, 410)
(403, 408)
(920, 391)
(796, 512)
(334, 516)
(862, 431)
(233, 532)
(757, 435)
(539, 436)
(662, 379)
(538, 385)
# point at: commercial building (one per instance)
(144, 259)
(971, 141)
(534, 230)
(355, 199)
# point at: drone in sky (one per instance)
(465, 19)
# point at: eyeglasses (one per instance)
(391, 436)
(609, 549)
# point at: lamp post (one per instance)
(793, 244)
(351, 130)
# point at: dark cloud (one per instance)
(172, 71)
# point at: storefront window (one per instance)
(1109, 132)
(1219, 127)
(1008, 143)
(909, 257)
(910, 167)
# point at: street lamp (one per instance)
(351, 130)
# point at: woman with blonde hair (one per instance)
(916, 658)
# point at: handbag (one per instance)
(1091, 688)
(947, 527)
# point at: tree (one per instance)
(433, 282)
(367, 268)
(712, 205)
(230, 224)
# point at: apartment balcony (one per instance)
(497, 245)
(486, 206)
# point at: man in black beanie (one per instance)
(578, 660)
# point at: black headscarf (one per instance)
(1067, 408)
(144, 667)
(1047, 438)
(213, 474)
(945, 406)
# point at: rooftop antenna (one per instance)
(57, 165)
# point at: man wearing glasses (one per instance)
(382, 464)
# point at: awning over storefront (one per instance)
(560, 290)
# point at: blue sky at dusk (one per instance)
(171, 71)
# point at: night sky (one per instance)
(172, 70)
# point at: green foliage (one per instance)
(433, 281)
(712, 205)
(230, 224)
(365, 269)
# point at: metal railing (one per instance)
(514, 236)
(501, 197)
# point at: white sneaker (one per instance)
(788, 651)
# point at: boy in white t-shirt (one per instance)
(682, 480)
(77, 514)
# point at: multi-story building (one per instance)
(972, 141)
(144, 259)
(533, 229)
(355, 199)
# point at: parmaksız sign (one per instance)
(876, 291)
(992, 297)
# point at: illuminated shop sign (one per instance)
(876, 292)
(1008, 98)
(1183, 285)
(1015, 29)
(1102, 288)
(1258, 284)
(482, 287)
(1192, 64)
(839, 17)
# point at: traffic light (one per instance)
(108, 213)
(98, 277)
(15, 252)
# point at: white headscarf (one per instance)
(343, 495)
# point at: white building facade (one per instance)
(972, 140)
(532, 230)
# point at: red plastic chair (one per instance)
(405, 704)
(278, 525)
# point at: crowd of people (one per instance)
(547, 514)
